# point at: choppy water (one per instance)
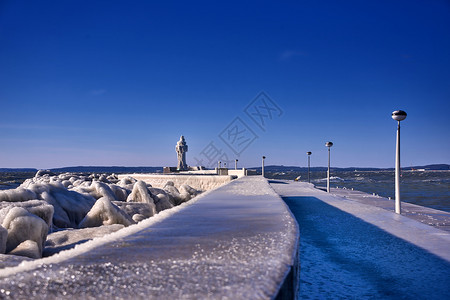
(426, 188)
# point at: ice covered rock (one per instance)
(133, 208)
(120, 192)
(3, 237)
(27, 248)
(127, 182)
(70, 207)
(17, 195)
(104, 212)
(21, 226)
(138, 217)
(98, 190)
(69, 238)
(41, 173)
(113, 178)
(188, 189)
(173, 192)
(39, 208)
(141, 193)
(162, 202)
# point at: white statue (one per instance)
(181, 149)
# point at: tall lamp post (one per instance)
(398, 115)
(263, 158)
(309, 154)
(328, 144)
(235, 163)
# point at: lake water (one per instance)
(425, 188)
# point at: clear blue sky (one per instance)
(118, 82)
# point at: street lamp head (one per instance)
(309, 153)
(329, 144)
(398, 115)
(264, 157)
(236, 159)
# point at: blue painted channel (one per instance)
(343, 257)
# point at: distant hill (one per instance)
(434, 167)
(7, 170)
(91, 169)
(113, 169)
(117, 169)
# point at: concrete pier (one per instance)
(240, 241)
(236, 242)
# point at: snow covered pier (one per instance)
(236, 242)
(240, 241)
(353, 246)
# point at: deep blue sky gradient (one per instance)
(118, 82)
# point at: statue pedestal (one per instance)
(167, 170)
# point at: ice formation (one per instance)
(3, 237)
(21, 226)
(50, 202)
(69, 238)
(104, 212)
(28, 248)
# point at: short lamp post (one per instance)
(262, 170)
(329, 145)
(398, 115)
(235, 163)
(219, 164)
(309, 155)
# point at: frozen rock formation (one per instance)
(3, 237)
(27, 248)
(69, 238)
(50, 202)
(17, 195)
(140, 193)
(21, 226)
(39, 208)
(136, 208)
(104, 212)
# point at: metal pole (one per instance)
(263, 166)
(398, 115)
(328, 173)
(309, 181)
(235, 164)
(397, 172)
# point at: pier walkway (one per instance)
(358, 249)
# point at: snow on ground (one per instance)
(50, 202)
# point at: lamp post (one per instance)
(263, 158)
(235, 163)
(218, 164)
(309, 154)
(398, 115)
(328, 144)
